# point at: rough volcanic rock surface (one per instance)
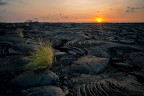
(32, 79)
(88, 64)
(43, 91)
(89, 59)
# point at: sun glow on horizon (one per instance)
(99, 19)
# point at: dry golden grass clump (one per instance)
(21, 34)
(42, 57)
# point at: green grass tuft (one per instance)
(42, 57)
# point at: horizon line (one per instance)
(76, 22)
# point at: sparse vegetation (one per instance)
(21, 34)
(42, 57)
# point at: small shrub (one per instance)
(42, 57)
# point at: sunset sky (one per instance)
(71, 10)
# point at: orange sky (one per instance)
(71, 10)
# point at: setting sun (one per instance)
(99, 19)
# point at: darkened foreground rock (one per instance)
(13, 63)
(109, 87)
(88, 64)
(43, 91)
(119, 51)
(136, 59)
(31, 79)
(123, 65)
